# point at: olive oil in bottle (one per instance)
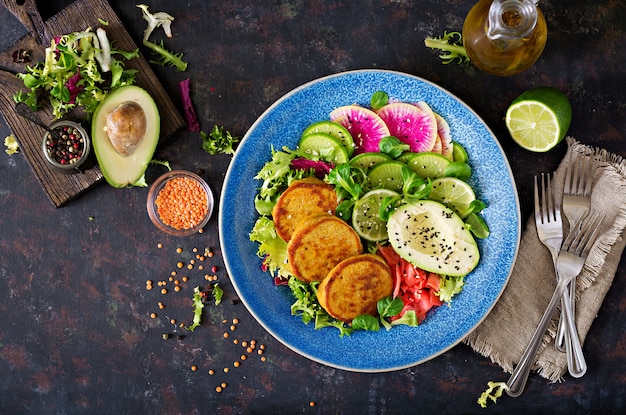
(504, 37)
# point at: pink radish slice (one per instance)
(414, 125)
(443, 131)
(364, 125)
(438, 146)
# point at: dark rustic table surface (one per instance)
(76, 335)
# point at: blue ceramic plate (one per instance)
(402, 346)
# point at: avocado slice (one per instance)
(432, 237)
(124, 133)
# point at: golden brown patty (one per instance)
(354, 286)
(318, 244)
(302, 198)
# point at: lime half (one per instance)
(366, 219)
(454, 193)
(539, 118)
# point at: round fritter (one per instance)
(318, 244)
(354, 286)
(302, 198)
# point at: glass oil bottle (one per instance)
(504, 37)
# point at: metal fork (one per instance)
(576, 202)
(570, 262)
(550, 232)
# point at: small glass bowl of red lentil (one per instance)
(70, 152)
(180, 203)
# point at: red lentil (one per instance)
(182, 203)
(194, 368)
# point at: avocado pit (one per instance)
(126, 127)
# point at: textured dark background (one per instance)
(75, 331)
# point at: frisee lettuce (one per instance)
(451, 43)
(272, 248)
(198, 306)
(199, 299)
(493, 392)
(218, 141)
(308, 309)
(72, 73)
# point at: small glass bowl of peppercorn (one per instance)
(180, 203)
(69, 149)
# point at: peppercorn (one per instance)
(69, 149)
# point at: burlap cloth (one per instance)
(506, 331)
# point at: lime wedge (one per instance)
(428, 164)
(368, 160)
(333, 129)
(454, 193)
(387, 175)
(539, 118)
(366, 219)
(325, 147)
(459, 153)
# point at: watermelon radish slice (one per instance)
(364, 125)
(443, 131)
(438, 146)
(414, 125)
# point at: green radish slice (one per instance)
(324, 147)
(386, 175)
(368, 160)
(333, 129)
(428, 164)
(414, 125)
(364, 125)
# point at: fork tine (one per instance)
(580, 241)
(537, 206)
(551, 200)
(588, 177)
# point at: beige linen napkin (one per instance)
(506, 331)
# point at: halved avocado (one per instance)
(115, 122)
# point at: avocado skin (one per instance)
(118, 170)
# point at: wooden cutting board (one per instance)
(81, 14)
